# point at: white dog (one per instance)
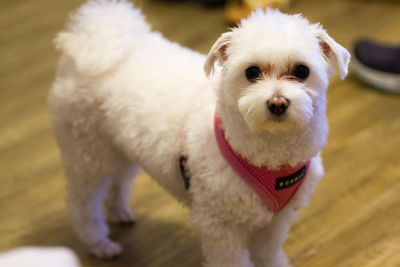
(241, 149)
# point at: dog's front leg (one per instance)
(266, 244)
(223, 244)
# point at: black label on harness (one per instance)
(284, 182)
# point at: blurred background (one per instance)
(353, 217)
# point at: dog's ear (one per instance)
(218, 52)
(332, 51)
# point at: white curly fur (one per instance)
(126, 97)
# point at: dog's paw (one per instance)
(106, 249)
(122, 215)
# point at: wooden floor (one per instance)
(353, 218)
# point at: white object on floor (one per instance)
(39, 257)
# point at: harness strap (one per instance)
(184, 171)
(275, 187)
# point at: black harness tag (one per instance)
(284, 182)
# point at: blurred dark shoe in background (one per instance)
(377, 64)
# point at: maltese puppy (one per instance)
(235, 135)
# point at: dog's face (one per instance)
(276, 69)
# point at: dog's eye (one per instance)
(253, 73)
(301, 72)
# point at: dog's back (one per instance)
(112, 62)
(121, 94)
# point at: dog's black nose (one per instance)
(278, 105)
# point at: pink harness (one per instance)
(275, 187)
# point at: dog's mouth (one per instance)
(277, 118)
